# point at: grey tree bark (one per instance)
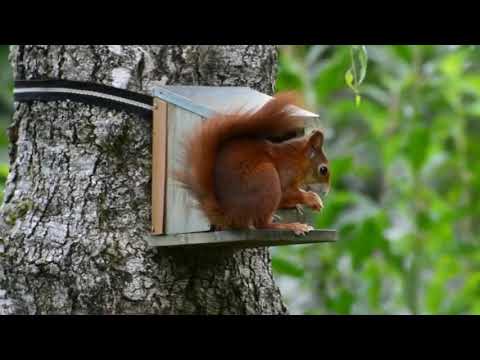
(77, 200)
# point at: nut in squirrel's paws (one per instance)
(301, 229)
(314, 201)
(299, 209)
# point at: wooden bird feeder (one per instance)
(175, 220)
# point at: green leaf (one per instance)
(452, 64)
(358, 99)
(349, 79)
(289, 77)
(435, 295)
(359, 61)
(373, 274)
(286, 267)
(331, 75)
(417, 146)
(363, 58)
(368, 237)
(355, 75)
(342, 303)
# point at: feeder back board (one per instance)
(178, 110)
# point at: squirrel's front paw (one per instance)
(300, 229)
(314, 201)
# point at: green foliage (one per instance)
(357, 71)
(405, 195)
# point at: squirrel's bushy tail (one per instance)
(201, 148)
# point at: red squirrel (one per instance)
(239, 178)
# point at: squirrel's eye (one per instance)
(323, 170)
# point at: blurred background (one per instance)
(406, 180)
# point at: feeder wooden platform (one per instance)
(242, 238)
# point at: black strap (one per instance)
(87, 93)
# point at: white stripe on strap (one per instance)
(84, 92)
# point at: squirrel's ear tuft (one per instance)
(316, 139)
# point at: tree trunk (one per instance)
(77, 200)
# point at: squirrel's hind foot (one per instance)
(297, 228)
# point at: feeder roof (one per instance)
(207, 101)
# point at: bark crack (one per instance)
(61, 62)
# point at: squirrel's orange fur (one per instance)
(240, 178)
